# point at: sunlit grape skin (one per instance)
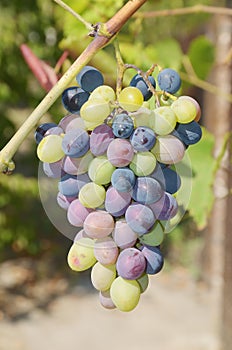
(130, 98)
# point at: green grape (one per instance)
(130, 98)
(92, 195)
(49, 149)
(185, 110)
(81, 254)
(104, 92)
(95, 110)
(100, 170)
(102, 276)
(164, 121)
(154, 237)
(143, 282)
(142, 117)
(125, 294)
(143, 163)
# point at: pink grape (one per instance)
(77, 213)
(100, 139)
(123, 235)
(106, 250)
(98, 224)
(117, 202)
(120, 152)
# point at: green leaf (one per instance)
(201, 54)
(203, 164)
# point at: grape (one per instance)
(172, 180)
(120, 152)
(143, 163)
(70, 185)
(105, 299)
(140, 218)
(123, 179)
(92, 195)
(100, 139)
(168, 149)
(166, 208)
(116, 202)
(169, 80)
(189, 133)
(123, 235)
(125, 294)
(79, 235)
(81, 256)
(147, 190)
(77, 166)
(143, 282)
(164, 121)
(198, 108)
(106, 250)
(102, 276)
(53, 170)
(55, 130)
(143, 139)
(95, 111)
(138, 82)
(142, 117)
(49, 149)
(131, 263)
(100, 170)
(77, 213)
(122, 125)
(76, 123)
(64, 201)
(75, 143)
(64, 122)
(185, 110)
(98, 224)
(89, 78)
(154, 237)
(41, 131)
(154, 259)
(73, 98)
(130, 98)
(104, 91)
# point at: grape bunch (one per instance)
(114, 158)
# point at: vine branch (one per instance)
(111, 27)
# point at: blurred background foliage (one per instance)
(48, 30)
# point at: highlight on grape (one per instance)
(113, 177)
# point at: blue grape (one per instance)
(140, 218)
(131, 263)
(41, 131)
(123, 179)
(154, 258)
(147, 190)
(70, 185)
(189, 133)
(172, 180)
(89, 78)
(165, 208)
(73, 98)
(75, 143)
(143, 139)
(122, 126)
(169, 80)
(116, 202)
(138, 82)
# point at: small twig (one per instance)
(76, 15)
(120, 68)
(185, 11)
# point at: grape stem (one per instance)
(111, 27)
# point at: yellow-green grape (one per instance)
(102, 276)
(90, 125)
(49, 149)
(185, 110)
(81, 254)
(100, 170)
(92, 195)
(142, 117)
(143, 163)
(163, 121)
(154, 237)
(104, 91)
(95, 110)
(130, 98)
(125, 294)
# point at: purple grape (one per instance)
(68, 185)
(41, 131)
(56, 130)
(64, 201)
(53, 170)
(138, 82)
(123, 179)
(169, 80)
(147, 190)
(140, 218)
(77, 213)
(131, 263)
(165, 208)
(64, 122)
(116, 202)
(143, 139)
(73, 99)
(123, 235)
(154, 259)
(100, 139)
(75, 143)
(89, 78)
(189, 133)
(122, 126)
(106, 251)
